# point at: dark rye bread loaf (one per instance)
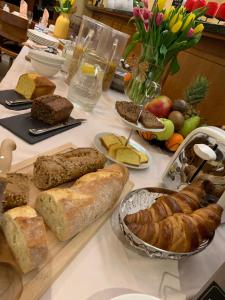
(51, 171)
(130, 112)
(51, 109)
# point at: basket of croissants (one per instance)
(167, 224)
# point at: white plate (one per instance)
(138, 126)
(98, 145)
(135, 297)
(42, 38)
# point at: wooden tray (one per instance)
(38, 281)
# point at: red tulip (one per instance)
(136, 12)
(190, 4)
(220, 15)
(199, 4)
(145, 15)
(190, 33)
(159, 19)
(212, 8)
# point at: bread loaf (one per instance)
(68, 211)
(50, 171)
(51, 109)
(16, 192)
(26, 235)
(32, 85)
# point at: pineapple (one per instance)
(195, 93)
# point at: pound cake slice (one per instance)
(25, 233)
(32, 85)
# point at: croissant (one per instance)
(180, 232)
(185, 201)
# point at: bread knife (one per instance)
(18, 102)
(39, 131)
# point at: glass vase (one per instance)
(145, 81)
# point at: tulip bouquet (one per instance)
(162, 33)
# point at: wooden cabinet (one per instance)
(206, 58)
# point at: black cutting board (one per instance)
(20, 125)
(13, 95)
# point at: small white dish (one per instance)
(47, 70)
(135, 297)
(98, 145)
(45, 57)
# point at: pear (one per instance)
(167, 132)
(189, 125)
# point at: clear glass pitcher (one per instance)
(116, 46)
(86, 85)
(93, 36)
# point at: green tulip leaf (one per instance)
(129, 48)
(174, 66)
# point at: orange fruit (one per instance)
(174, 142)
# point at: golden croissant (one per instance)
(185, 201)
(180, 232)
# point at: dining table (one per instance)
(107, 266)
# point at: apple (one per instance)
(160, 106)
(167, 132)
(189, 125)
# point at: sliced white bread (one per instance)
(26, 235)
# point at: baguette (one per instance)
(53, 170)
(68, 211)
(26, 235)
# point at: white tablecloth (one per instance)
(105, 267)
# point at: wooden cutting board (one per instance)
(38, 281)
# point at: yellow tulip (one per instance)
(168, 12)
(176, 27)
(180, 17)
(199, 28)
(173, 20)
(72, 2)
(161, 4)
(181, 9)
(190, 18)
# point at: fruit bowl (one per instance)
(178, 123)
